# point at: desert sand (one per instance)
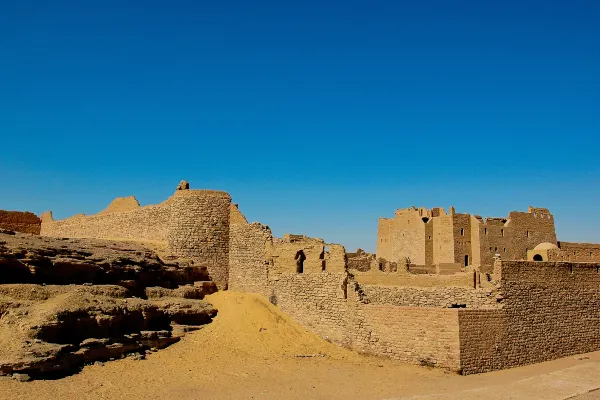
(253, 351)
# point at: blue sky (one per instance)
(318, 117)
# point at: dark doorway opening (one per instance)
(538, 257)
(466, 260)
(300, 257)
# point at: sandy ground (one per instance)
(253, 351)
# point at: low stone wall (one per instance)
(440, 297)
(415, 335)
(17, 221)
(550, 310)
(142, 223)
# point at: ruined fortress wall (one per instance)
(550, 310)
(192, 223)
(477, 232)
(462, 239)
(408, 237)
(576, 252)
(497, 239)
(443, 237)
(142, 223)
(316, 301)
(416, 335)
(199, 227)
(384, 238)
(429, 240)
(17, 221)
(441, 297)
(527, 230)
(248, 260)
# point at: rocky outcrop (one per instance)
(53, 331)
(62, 261)
(65, 303)
(17, 221)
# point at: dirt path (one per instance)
(253, 351)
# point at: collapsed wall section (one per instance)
(141, 223)
(18, 221)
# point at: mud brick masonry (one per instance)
(445, 289)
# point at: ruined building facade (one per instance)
(478, 310)
(436, 237)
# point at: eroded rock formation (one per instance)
(65, 303)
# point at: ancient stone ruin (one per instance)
(444, 289)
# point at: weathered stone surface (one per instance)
(44, 260)
(183, 185)
(53, 331)
(17, 221)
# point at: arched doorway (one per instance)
(538, 257)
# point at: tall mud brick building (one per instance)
(452, 240)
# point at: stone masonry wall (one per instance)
(143, 223)
(316, 301)
(192, 223)
(440, 297)
(17, 221)
(577, 252)
(415, 335)
(199, 227)
(248, 259)
(550, 310)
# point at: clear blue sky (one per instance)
(317, 116)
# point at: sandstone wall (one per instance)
(550, 310)
(441, 297)
(192, 223)
(443, 239)
(17, 221)
(199, 227)
(576, 252)
(143, 223)
(317, 301)
(415, 335)
(248, 258)
(462, 239)
(384, 238)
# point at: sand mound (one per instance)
(250, 324)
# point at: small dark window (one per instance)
(527, 233)
(505, 249)
(485, 231)
(538, 257)
(462, 231)
(430, 239)
(467, 260)
(502, 232)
